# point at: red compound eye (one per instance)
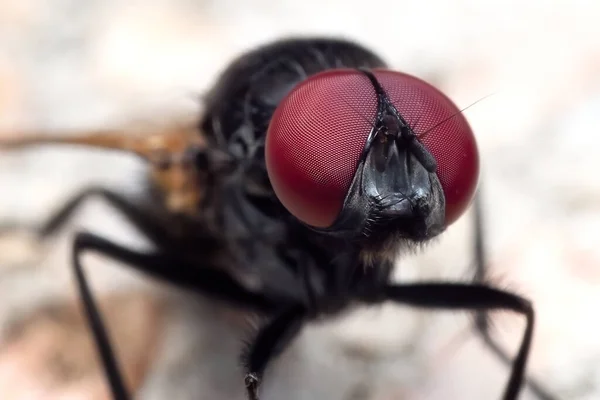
(318, 132)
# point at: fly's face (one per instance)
(372, 156)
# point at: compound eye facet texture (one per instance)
(443, 129)
(319, 130)
(315, 140)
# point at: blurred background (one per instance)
(70, 65)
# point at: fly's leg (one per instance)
(482, 325)
(269, 342)
(107, 355)
(134, 214)
(141, 220)
(467, 297)
(202, 279)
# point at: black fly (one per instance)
(312, 168)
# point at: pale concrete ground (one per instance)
(76, 65)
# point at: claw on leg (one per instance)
(252, 382)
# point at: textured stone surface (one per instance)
(68, 65)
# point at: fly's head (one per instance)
(379, 158)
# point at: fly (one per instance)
(312, 168)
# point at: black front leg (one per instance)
(481, 323)
(269, 342)
(203, 279)
(468, 297)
